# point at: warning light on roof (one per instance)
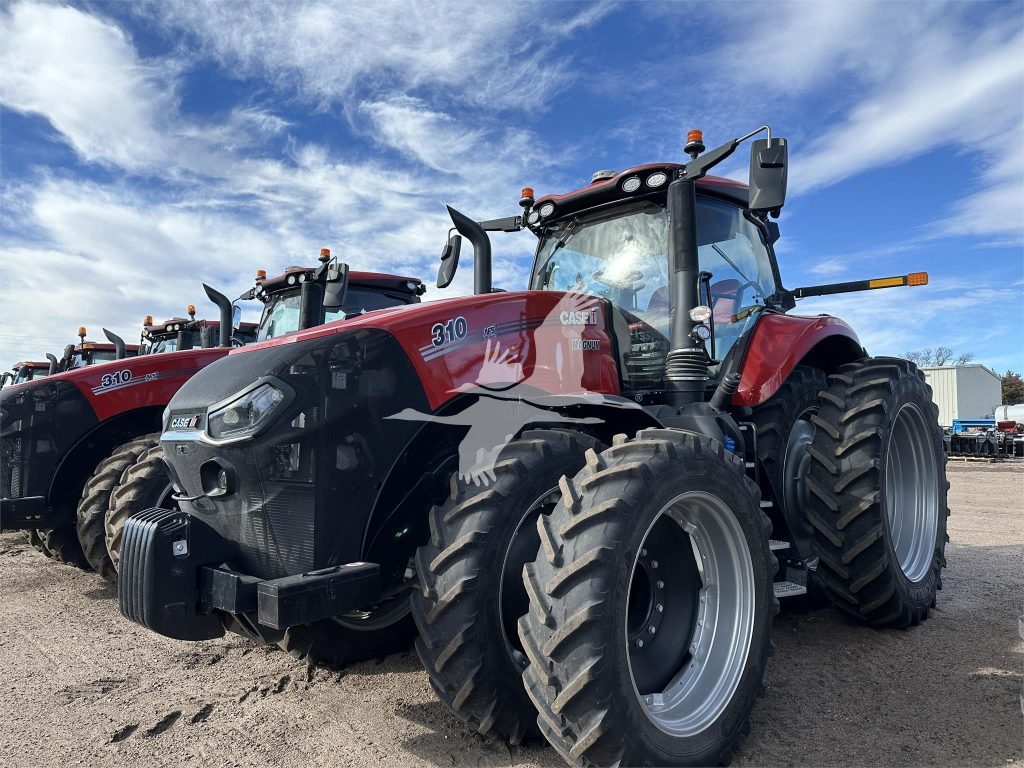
(148, 320)
(261, 274)
(81, 331)
(192, 311)
(325, 255)
(917, 278)
(694, 143)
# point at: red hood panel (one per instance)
(494, 339)
(124, 385)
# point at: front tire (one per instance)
(96, 499)
(877, 492)
(651, 605)
(471, 590)
(143, 484)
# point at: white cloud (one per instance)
(485, 54)
(82, 74)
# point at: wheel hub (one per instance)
(686, 671)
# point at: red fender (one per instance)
(779, 343)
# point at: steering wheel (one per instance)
(626, 283)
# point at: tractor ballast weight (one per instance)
(657, 473)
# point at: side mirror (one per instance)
(336, 287)
(449, 261)
(236, 317)
(768, 171)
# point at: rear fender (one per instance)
(781, 342)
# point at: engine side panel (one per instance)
(779, 343)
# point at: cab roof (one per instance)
(162, 328)
(610, 190)
(378, 280)
(95, 346)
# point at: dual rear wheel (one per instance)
(647, 623)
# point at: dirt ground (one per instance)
(82, 686)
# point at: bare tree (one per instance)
(932, 357)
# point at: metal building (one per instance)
(964, 391)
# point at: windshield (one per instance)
(164, 344)
(622, 256)
(27, 373)
(281, 314)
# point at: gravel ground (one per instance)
(82, 686)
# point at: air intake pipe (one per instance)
(476, 234)
(54, 363)
(686, 367)
(226, 314)
(117, 341)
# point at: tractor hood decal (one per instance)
(526, 336)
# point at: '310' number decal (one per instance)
(455, 329)
(115, 378)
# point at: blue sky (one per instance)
(147, 147)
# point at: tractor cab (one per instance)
(610, 239)
(87, 353)
(26, 371)
(331, 293)
(180, 333)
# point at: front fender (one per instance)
(781, 342)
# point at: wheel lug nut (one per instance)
(643, 553)
(651, 629)
(654, 563)
(660, 607)
(661, 585)
(639, 643)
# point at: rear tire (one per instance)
(61, 544)
(877, 493)
(602, 645)
(784, 434)
(92, 509)
(144, 483)
(471, 590)
(36, 540)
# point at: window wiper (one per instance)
(732, 264)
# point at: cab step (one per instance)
(776, 544)
(785, 589)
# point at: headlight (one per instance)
(244, 416)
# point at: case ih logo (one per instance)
(185, 422)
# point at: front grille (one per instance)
(645, 361)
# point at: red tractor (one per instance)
(22, 372)
(179, 333)
(586, 497)
(67, 441)
(86, 353)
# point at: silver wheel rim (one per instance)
(722, 630)
(911, 491)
